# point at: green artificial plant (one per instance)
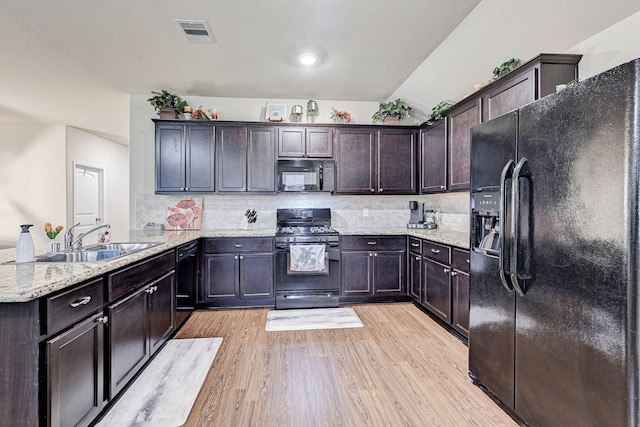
(397, 108)
(166, 99)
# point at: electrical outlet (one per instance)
(365, 212)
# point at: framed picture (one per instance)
(276, 112)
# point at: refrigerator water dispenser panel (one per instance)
(486, 222)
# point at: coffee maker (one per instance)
(417, 215)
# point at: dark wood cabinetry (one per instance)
(139, 325)
(187, 278)
(184, 158)
(246, 158)
(305, 142)
(461, 119)
(372, 267)
(75, 373)
(439, 281)
(433, 164)
(237, 272)
(460, 291)
(372, 161)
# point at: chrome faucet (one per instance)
(69, 242)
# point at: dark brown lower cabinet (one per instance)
(237, 272)
(372, 267)
(415, 276)
(139, 325)
(437, 288)
(75, 373)
(460, 290)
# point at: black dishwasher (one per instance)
(187, 280)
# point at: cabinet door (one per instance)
(75, 374)
(186, 277)
(200, 159)
(128, 339)
(397, 150)
(460, 289)
(356, 160)
(231, 142)
(415, 278)
(437, 292)
(389, 272)
(170, 158)
(514, 93)
(291, 142)
(256, 275)
(434, 158)
(220, 277)
(162, 314)
(261, 170)
(355, 277)
(461, 120)
(319, 142)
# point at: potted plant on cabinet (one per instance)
(392, 111)
(168, 105)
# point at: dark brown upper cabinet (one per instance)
(433, 165)
(461, 119)
(305, 142)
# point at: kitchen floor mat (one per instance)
(163, 394)
(313, 318)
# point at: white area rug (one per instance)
(313, 318)
(163, 394)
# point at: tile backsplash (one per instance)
(226, 212)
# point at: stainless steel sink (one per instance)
(95, 253)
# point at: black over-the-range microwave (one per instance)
(306, 175)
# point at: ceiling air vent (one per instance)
(196, 31)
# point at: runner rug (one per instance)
(313, 318)
(163, 394)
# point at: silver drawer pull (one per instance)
(103, 319)
(415, 245)
(81, 301)
(238, 245)
(372, 243)
(435, 251)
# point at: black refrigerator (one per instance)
(554, 258)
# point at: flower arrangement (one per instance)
(200, 114)
(340, 116)
(49, 230)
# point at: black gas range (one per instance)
(308, 232)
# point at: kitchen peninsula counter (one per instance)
(29, 281)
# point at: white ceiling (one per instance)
(75, 62)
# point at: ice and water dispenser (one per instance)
(485, 214)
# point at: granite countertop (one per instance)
(29, 281)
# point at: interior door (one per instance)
(88, 197)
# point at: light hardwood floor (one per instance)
(401, 369)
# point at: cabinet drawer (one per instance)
(370, 243)
(460, 259)
(69, 307)
(436, 251)
(138, 274)
(235, 245)
(415, 245)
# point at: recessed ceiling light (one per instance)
(307, 59)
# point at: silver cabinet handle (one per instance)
(381, 190)
(370, 253)
(415, 245)
(81, 301)
(442, 187)
(373, 190)
(238, 245)
(375, 254)
(453, 273)
(447, 270)
(235, 257)
(241, 257)
(102, 319)
(372, 243)
(435, 251)
(417, 258)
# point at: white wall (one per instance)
(88, 149)
(32, 179)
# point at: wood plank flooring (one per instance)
(401, 369)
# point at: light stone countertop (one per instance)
(29, 281)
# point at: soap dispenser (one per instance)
(25, 250)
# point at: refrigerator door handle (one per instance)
(521, 171)
(507, 173)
